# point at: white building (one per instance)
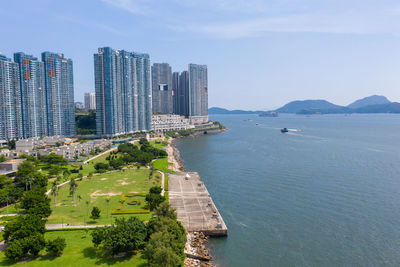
(170, 122)
(90, 101)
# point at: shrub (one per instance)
(138, 211)
(56, 246)
(95, 213)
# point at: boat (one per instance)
(284, 130)
(256, 124)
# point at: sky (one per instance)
(260, 54)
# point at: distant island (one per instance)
(370, 104)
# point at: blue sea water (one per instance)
(325, 194)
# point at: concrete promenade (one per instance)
(194, 205)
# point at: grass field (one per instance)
(96, 190)
(162, 164)
(79, 252)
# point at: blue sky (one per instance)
(260, 54)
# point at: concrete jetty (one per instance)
(194, 205)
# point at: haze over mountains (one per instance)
(370, 104)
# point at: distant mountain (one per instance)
(369, 101)
(216, 110)
(392, 107)
(300, 105)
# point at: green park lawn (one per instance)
(96, 190)
(78, 252)
(162, 164)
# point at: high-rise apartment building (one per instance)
(123, 92)
(198, 92)
(181, 88)
(90, 101)
(175, 87)
(59, 84)
(10, 100)
(33, 95)
(163, 95)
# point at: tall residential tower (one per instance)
(33, 95)
(10, 100)
(163, 95)
(123, 92)
(59, 84)
(198, 93)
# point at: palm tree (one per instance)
(72, 188)
(108, 202)
(87, 207)
(54, 192)
(7, 199)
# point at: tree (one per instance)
(3, 158)
(101, 166)
(25, 173)
(154, 198)
(72, 188)
(55, 170)
(36, 202)
(108, 202)
(159, 251)
(22, 227)
(165, 210)
(11, 144)
(53, 158)
(95, 213)
(79, 200)
(56, 246)
(87, 207)
(165, 232)
(123, 236)
(15, 251)
(54, 192)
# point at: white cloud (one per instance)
(231, 19)
(140, 7)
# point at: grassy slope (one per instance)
(79, 252)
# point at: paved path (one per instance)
(10, 214)
(101, 154)
(67, 226)
(162, 182)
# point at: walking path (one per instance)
(101, 154)
(162, 182)
(67, 226)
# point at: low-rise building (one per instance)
(170, 122)
(10, 165)
(76, 150)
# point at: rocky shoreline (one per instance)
(196, 251)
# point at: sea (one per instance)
(327, 193)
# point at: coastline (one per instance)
(197, 253)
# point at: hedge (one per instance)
(133, 202)
(139, 211)
(166, 182)
(124, 196)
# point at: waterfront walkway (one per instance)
(194, 205)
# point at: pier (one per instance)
(194, 205)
